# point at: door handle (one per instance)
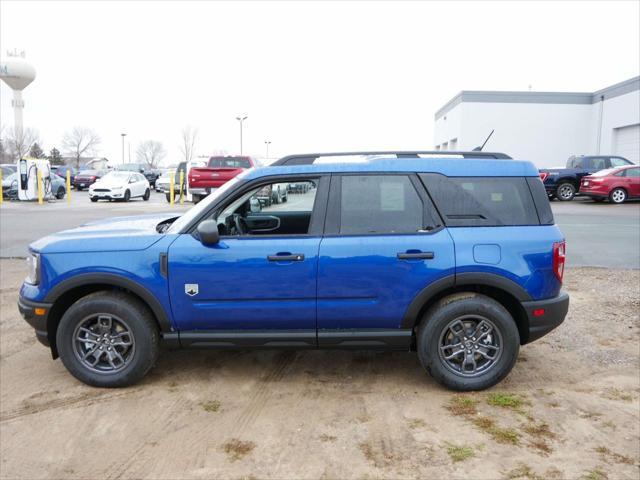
(416, 256)
(286, 257)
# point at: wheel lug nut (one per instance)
(473, 339)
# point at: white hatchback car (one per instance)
(120, 185)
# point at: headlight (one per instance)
(116, 188)
(33, 268)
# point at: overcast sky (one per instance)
(310, 76)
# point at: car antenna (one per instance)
(479, 149)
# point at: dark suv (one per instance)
(458, 259)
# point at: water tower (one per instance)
(17, 73)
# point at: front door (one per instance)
(384, 243)
(258, 284)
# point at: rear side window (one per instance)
(379, 204)
(482, 201)
(633, 172)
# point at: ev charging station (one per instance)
(28, 169)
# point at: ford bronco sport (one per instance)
(454, 256)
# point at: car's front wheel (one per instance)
(468, 341)
(127, 196)
(94, 199)
(60, 193)
(108, 339)
(618, 195)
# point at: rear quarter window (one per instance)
(485, 201)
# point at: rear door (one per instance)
(383, 244)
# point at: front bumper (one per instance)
(107, 195)
(38, 321)
(545, 315)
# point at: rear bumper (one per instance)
(554, 310)
(201, 191)
(27, 309)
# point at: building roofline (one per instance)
(583, 98)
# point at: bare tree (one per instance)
(188, 146)
(150, 152)
(80, 141)
(19, 142)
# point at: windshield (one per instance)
(116, 176)
(195, 211)
(230, 162)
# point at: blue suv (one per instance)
(454, 256)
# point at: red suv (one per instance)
(616, 184)
(219, 170)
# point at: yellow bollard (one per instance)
(1, 195)
(182, 187)
(40, 196)
(68, 186)
(171, 187)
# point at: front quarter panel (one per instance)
(59, 271)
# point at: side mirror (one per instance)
(208, 231)
(142, 170)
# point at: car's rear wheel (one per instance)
(196, 198)
(565, 192)
(60, 193)
(108, 339)
(618, 195)
(468, 341)
(146, 195)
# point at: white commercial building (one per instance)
(544, 127)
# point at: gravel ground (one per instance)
(570, 408)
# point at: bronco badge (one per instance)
(191, 289)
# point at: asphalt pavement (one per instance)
(598, 234)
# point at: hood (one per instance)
(113, 234)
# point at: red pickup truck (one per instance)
(219, 170)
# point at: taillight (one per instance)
(559, 258)
(543, 176)
(92, 178)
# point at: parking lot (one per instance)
(569, 408)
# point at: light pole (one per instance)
(123, 135)
(267, 143)
(241, 119)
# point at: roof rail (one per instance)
(310, 158)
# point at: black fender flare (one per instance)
(87, 279)
(461, 279)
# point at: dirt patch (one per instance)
(236, 449)
(569, 410)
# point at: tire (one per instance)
(78, 189)
(94, 199)
(196, 199)
(468, 306)
(168, 197)
(127, 195)
(146, 195)
(141, 332)
(60, 193)
(618, 195)
(285, 197)
(565, 192)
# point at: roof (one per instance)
(585, 98)
(453, 167)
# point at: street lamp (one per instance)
(267, 143)
(241, 119)
(123, 135)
